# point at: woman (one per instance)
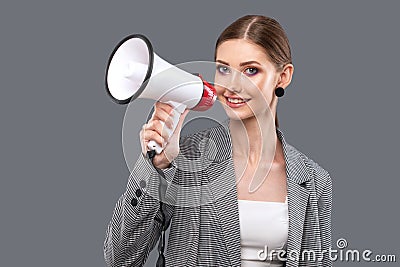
(253, 197)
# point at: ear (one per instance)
(285, 76)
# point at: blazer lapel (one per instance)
(222, 184)
(297, 175)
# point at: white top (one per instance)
(263, 227)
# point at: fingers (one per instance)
(148, 135)
(164, 106)
(163, 112)
(158, 127)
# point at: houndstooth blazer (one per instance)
(202, 206)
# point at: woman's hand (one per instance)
(155, 130)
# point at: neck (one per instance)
(254, 139)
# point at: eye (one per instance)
(251, 71)
(223, 69)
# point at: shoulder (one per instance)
(319, 175)
(216, 130)
(213, 142)
(193, 140)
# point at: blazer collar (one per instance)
(296, 169)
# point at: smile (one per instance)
(236, 100)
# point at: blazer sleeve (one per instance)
(324, 213)
(136, 221)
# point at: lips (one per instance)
(235, 102)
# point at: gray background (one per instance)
(62, 163)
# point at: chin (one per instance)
(238, 115)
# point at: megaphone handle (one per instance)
(179, 108)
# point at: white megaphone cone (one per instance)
(135, 71)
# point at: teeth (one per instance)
(236, 100)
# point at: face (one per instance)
(245, 79)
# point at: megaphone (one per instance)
(135, 71)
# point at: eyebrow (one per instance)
(241, 64)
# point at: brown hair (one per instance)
(263, 31)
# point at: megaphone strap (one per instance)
(164, 224)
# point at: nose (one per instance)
(234, 84)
